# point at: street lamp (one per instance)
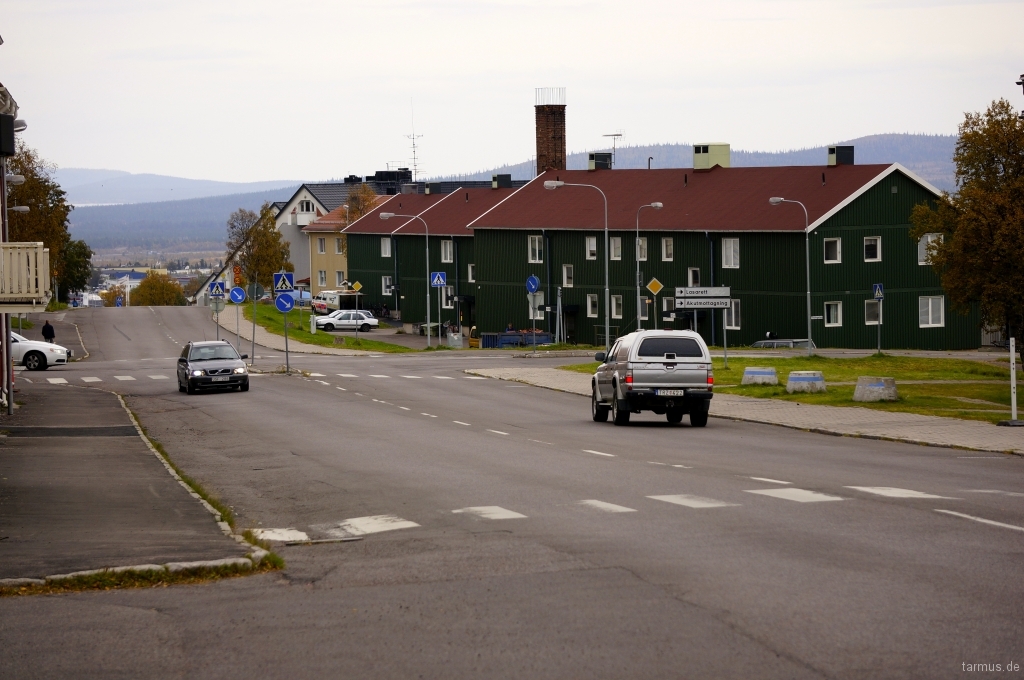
(426, 231)
(657, 206)
(19, 208)
(777, 200)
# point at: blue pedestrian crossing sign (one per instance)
(284, 302)
(878, 291)
(438, 279)
(120, 301)
(284, 282)
(216, 289)
(532, 284)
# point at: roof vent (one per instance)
(840, 155)
(707, 156)
(353, 179)
(599, 161)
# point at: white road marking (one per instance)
(342, 389)
(124, 377)
(983, 521)
(429, 415)
(769, 480)
(281, 534)
(347, 375)
(322, 382)
(57, 381)
(891, 492)
(651, 462)
(1004, 493)
(91, 380)
(360, 526)
(475, 377)
(969, 457)
(685, 467)
(694, 501)
(459, 422)
(540, 442)
(317, 375)
(490, 512)
(404, 408)
(498, 432)
(379, 376)
(598, 453)
(28, 380)
(607, 507)
(444, 377)
(412, 377)
(798, 495)
(158, 377)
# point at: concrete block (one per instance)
(257, 556)
(875, 389)
(137, 568)
(805, 381)
(242, 562)
(758, 375)
(17, 582)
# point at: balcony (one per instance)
(24, 277)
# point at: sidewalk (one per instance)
(276, 342)
(849, 421)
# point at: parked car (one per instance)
(783, 344)
(211, 364)
(36, 355)
(668, 372)
(347, 320)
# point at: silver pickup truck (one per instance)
(668, 372)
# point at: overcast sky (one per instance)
(258, 90)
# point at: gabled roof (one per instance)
(721, 199)
(330, 195)
(445, 214)
(336, 220)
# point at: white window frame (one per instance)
(839, 314)
(689, 277)
(730, 253)
(447, 297)
(385, 246)
(591, 247)
(733, 316)
(567, 275)
(321, 277)
(839, 250)
(616, 306)
(878, 249)
(536, 314)
(385, 286)
(645, 303)
(535, 250)
(932, 301)
(615, 247)
(641, 249)
(447, 251)
(922, 247)
(339, 277)
(471, 273)
(306, 207)
(668, 249)
(668, 304)
(337, 246)
(321, 245)
(593, 306)
(881, 313)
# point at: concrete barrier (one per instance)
(805, 381)
(758, 375)
(875, 389)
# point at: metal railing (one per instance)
(24, 273)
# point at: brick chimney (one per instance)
(550, 114)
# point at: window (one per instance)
(322, 277)
(615, 247)
(339, 278)
(732, 316)
(872, 312)
(833, 314)
(447, 251)
(592, 306)
(659, 347)
(321, 245)
(385, 247)
(922, 247)
(536, 249)
(536, 313)
(641, 249)
(668, 305)
(567, 275)
(339, 249)
(693, 277)
(305, 206)
(872, 248)
(667, 249)
(645, 304)
(930, 311)
(471, 273)
(616, 306)
(385, 286)
(833, 251)
(731, 253)
(447, 297)
(591, 247)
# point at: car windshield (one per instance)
(210, 352)
(659, 347)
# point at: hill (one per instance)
(87, 187)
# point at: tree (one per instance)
(261, 252)
(979, 258)
(158, 290)
(78, 270)
(110, 295)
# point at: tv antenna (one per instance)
(616, 136)
(413, 137)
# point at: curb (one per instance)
(303, 347)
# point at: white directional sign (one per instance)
(702, 303)
(717, 292)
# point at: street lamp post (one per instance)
(657, 206)
(554, 184)
(776, 200)
(426, 231)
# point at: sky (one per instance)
(262, 90)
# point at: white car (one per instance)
(347, 320)
(37, 356)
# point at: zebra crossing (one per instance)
(96, 379)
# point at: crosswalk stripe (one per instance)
(428, 415)
(770, 481)
(413, 377)
(892, 492)
(498, 432)
(158, 377)
(361, 526)
(459, 422)
(798, 495)
(91, 380)
(693, 501)
(444, 377)
(124, 377)
(475, 377)
(56, 381)
(598, 453)
(379, 376)
(316, 375)
(281, 534)
(607, 507)
(982, 520)
(490, 512)
(347, 375)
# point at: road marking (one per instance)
(342, 389)
(475, 377)
(404, 408)
(428, 415)
(651, 462)
(158, 377)
(444, 377)
(322, 382)
(1004, 493)
(598, 453)
(694, 501)
(360, 526)
(983, 521)
(798, 495)
(281, 534)
(540, 442)
(607, 507)
(891, 492)
(317, 375)
(347, 375)
(412, 377)
(379, 376)
(769, 480)
(57, 381)
(490, 512)
(91, 380)
(969, 457)
(124, 377)
(498, 432)
(685, 467)
(459, 422)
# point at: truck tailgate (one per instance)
(670, 374)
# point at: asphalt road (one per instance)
(507, 535)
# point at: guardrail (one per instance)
(24, 275)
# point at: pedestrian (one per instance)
(510, 328)
(48, 333)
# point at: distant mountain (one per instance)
(929, 156)
(105, 187)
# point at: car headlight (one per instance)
(197, 372)
(240, 369)
(57, 351)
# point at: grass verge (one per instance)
(272, 321)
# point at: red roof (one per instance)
(334, 220)
(445, 214)
(722, 199)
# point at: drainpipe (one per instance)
(458, 303)
(711, 257)
(547, 294)
(395, 286)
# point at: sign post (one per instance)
(710, 299)
(532, 286)
(255, 291)
(217, 296)
(284, 303)
(655, 286)
(879, 294)
(237, 296)
(1013, 379)
(437, 280)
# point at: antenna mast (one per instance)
(615, 137)
(413, 137)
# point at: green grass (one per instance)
(26, 325)
(272, 320)
(55, 306)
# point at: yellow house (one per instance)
(328, 251)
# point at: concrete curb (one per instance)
(276, 342)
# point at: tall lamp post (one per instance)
(657, 206)
(551, 185)
(776, 200)
(426, 231)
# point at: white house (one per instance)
(310, 201)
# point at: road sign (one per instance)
(216, 289)
(357, 286)
(717, 292)
(237, 295)
(878, 291)
(217, 304)
(236, 273)
(284, 282)
(655, 286)
(120, 301)
(284, 302)
(438, 279)
(532, 284)
(703, 303)
(255, 291)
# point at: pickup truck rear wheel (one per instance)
(698, 417)
(620, 412)
(597, 410)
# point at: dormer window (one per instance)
(306, 206)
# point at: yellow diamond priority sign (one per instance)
(357, 286)
(655, 286)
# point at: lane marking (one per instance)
(983, 521)
(540, 442)
(347, 375)
(281, 534)
(969, 457)
(57, 381)
(91, 380)
(598, 453)
(475, 377)
(1004, 493)
(798, 495)
(322, 382)
(404, 408)
(379, 376)
(158, 377)
(498, 432)
(685, 467)
(459, 422)
(341, 388)
(317, 375)
(444, 377)
(694, 501)
(428, 415)
(412, 377)
(607, 507)
(490, 512)
(892, 492)
(769, 480)
(124, 377)
(361, 526)
(651, 462)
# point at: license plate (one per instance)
(222, 378)
(671, 393)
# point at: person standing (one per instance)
(48, 333)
